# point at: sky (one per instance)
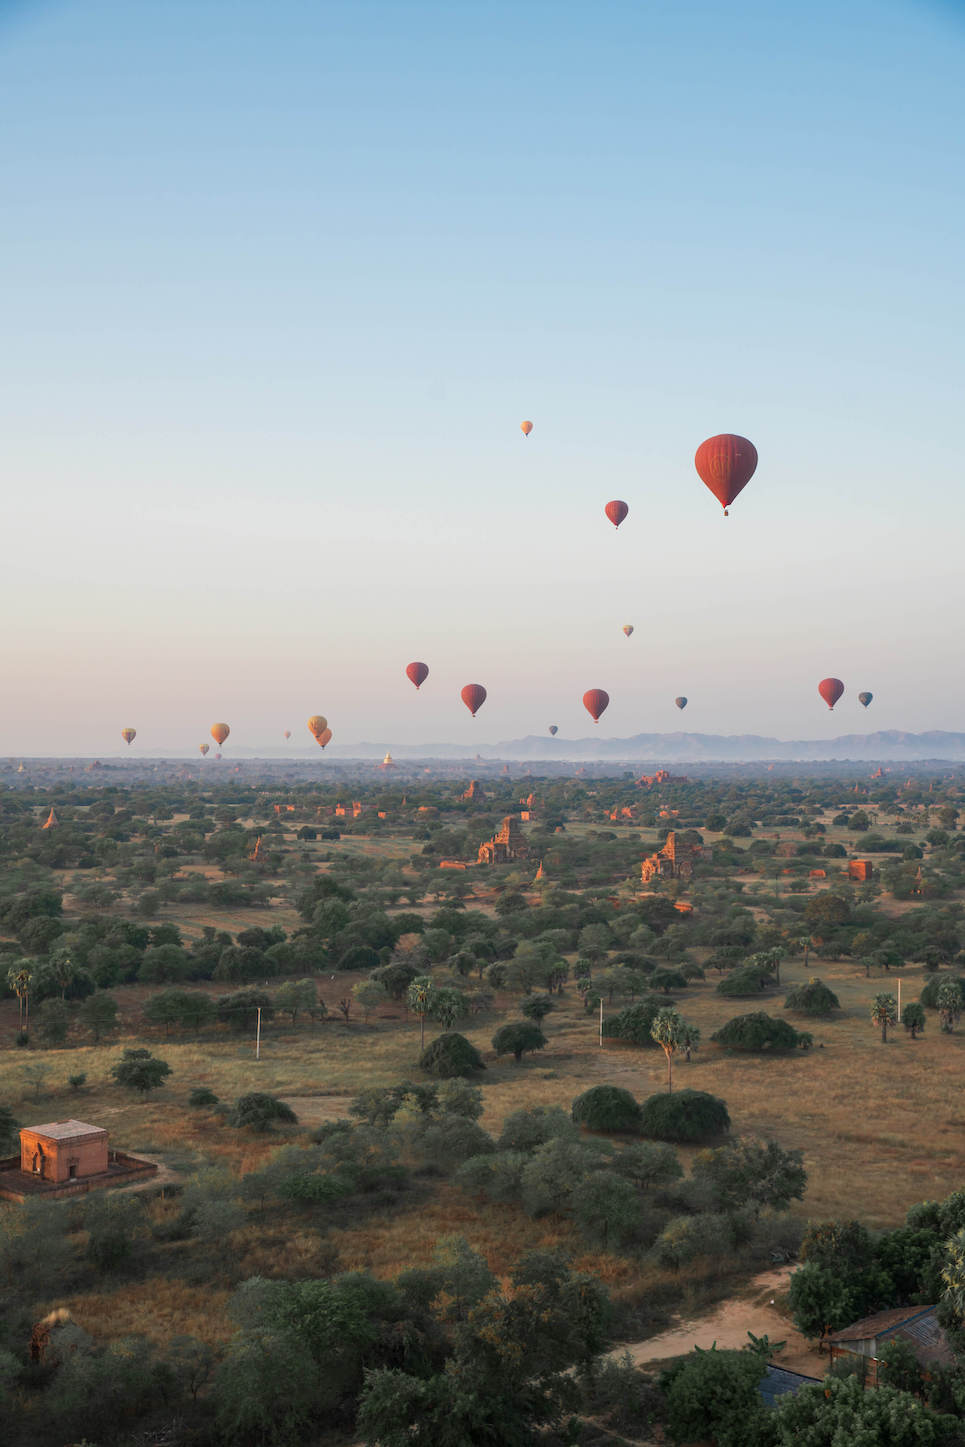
(279, 281)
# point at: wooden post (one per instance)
(899, 1002)
(601, 1022)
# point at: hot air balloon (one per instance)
(627, 629)
(864, 699)
(554, 730)
(596, 701)
(417, 673)
(204, 749)
(726, 464)
(325, 737)
(830, 690)
(128, 735)
(317, 725)
(288, 733)
(473, 696)
(526, 428)
(219, 732)
(681, 702)
(616, 511)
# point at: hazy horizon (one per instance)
(281, 283)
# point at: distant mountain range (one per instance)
(887, 746)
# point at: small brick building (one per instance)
(64, 1150)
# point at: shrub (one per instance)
(450, 1054)
(668, 980)
(929, 995)
(260, 1111)
(634, 1022)
(758, 1032)
(141, 1071)
(78, 1081)
(814, 998)
(686, 1237)
(201, 1096)
(688, 1115)
(606, 1108)
(748, 980)
(536, 1007)
(518, 1037)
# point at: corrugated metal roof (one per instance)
(779, 1382)
(881, 1324)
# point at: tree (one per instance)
(948, 999)
(54, 1022)
(689, 1116)
(841, 1410)
(953, 1277)
(9, 1131)
(607, 1209)
(259, 1112)
(752, 1172)
(814, 998)
(187, 1009)
(370, 995)
(669, 1031)
(712, 1396)
(297, 995)
(18, 978)
(141, 1071)
(759, 1032)
(99, 1013)
(448, 1005)
(517, 1038)
(450, 1054)
(913, 1019)
(884, 1012)
(537, 1007)
(419, 999)
(606, 1108)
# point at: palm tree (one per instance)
(669, 1031)
(884, 1012)
(804, 945)
(19, 979)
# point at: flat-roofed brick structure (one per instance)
(63, 1150)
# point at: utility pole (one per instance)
(899, 1002)
(601, 1022)
(258, 1034)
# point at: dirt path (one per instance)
(758, 1311)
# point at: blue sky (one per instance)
(279, 281)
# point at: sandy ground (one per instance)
(760, 1311)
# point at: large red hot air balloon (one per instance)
(128, 735)
(473, 696)
(219, 732)
(726, 464)
(417, 673)
(595, 701)
(526, 428)
(830, 690)
(616, 511)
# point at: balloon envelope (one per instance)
(288, 733)
(526, 428)
(830, 690)
(204, 749)
(726, 465)
(554, 730)
(325, 737)
(219, 732)
(317, 724)
(681, 702)
(616, 511)
(417, 673)
(596, 701)
(865, 698)
(128, 735)
(473, 696)
(627, 629)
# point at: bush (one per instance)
(518, 1037)
(260, 1111)
(450, 1054)
(634, 1023)
(201, 1097)
(689, 1115)
(758, 1032)
(668, 980)
(141, 1071)
(536, 1007)
(712, 1396)
(929, 995)
(748, 980)
(606, 1108)
(814, 998)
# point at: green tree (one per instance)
(814, 998)
(606, 1108)
(913, 1019)
(689, 1116)
(450, 1054)
(19, 977)
(419, 999)
(712, 1396)
(537, 1007)
(948, 999)
(518, 1038)
(259, 1112)
(141, 1071)
(751, 1172)
(297, 996)
(607, 1209)
(669, 1030)
(841, 1410)
(99, 1014)
(884, 1012)
(370, 995)
(54, 1022)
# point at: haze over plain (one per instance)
(282, 284)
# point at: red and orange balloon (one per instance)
(473, 696)
(726, 464)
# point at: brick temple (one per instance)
(673, 861)
(506, 845)
(66, 1157)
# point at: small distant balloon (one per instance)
(526, 428)
(596, 701)
(219, 732)
(288, 733)
(627, 629)
(204, 750)
(616, 511)
(417, 673)
(681, 702)
(725, 464)
(865, 698)
(554, 730)
(830, 690)
(128, 735)
(473, 696)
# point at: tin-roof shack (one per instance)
(917, 1326)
